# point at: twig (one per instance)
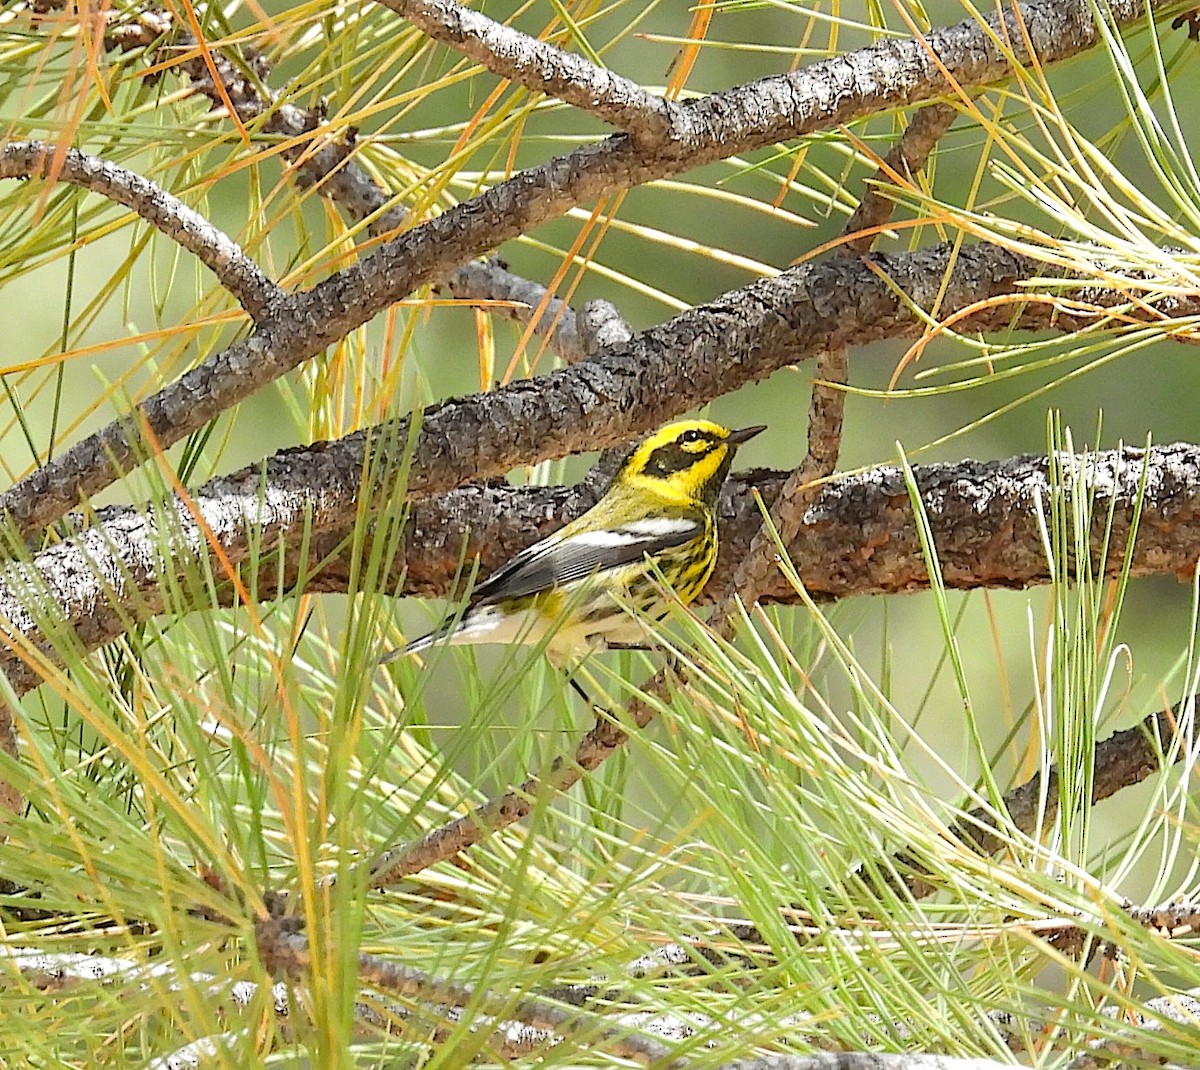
(907, 157)
(212, 247)
(542, 67)
(1170, 921)
(600, 325)
(442, 844)
(322, 159)
(815, 98)
(287, 954)
(1190, 18)
(56, 972)
(490, 281)
(1126, 758)
(825, 413)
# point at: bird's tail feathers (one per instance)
(453, 628)
(415, 647)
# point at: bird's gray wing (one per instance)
(556, 562)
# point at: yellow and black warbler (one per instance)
(572, 588)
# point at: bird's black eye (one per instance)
(694, 442)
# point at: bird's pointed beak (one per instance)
(736, 438)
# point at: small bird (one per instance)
(568, 589)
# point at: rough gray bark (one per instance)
(628, 389)
(838, 90)
(570, 77)
(856, 537)
(214, 249)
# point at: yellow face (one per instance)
(687, 460)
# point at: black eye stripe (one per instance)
(676, 456)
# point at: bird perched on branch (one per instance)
(574, 589)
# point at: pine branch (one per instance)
(211, 246)
(857, 537)
(906, 158)
(321, 156)
(838, 90)
(542, 67)
(287, 954)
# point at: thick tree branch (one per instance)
(703, 353)
(856, 537)
(542, 67)
(214, 249)
(838, 90)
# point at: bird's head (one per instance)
(687, 460)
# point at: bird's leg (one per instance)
(579, 690)
(569, 664)
(600, 711)
(571, 670)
